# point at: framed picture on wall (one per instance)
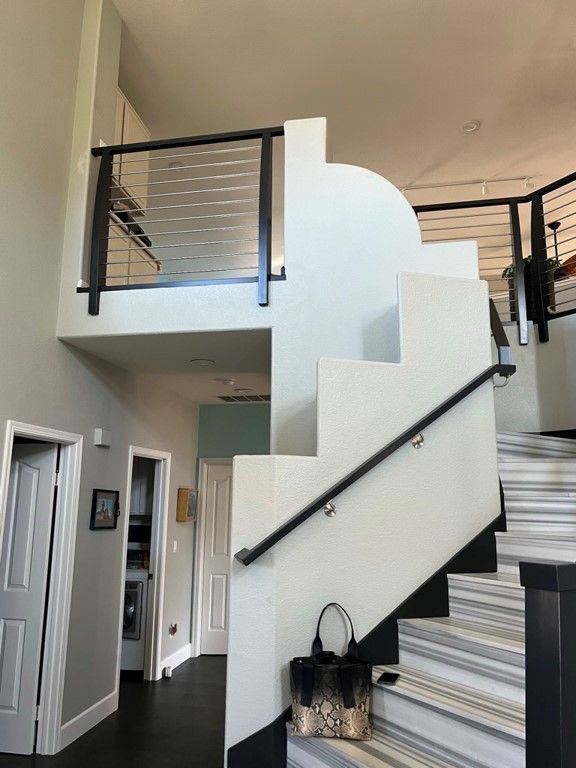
(187, 505)
(105, 509)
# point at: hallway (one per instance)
(177, 723)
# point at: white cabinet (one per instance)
(130, 259)
(132, 170)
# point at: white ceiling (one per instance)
(164, 359)
(396, 79)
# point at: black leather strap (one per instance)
(307, 685)
(317, 643)
(347, 686)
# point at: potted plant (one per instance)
(553, 266)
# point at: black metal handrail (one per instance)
(502, 368)
(103, 208)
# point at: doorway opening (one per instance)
(39, 489)
(212, 558)
(142, 588)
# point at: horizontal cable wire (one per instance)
(186, 167)
(460, 238)
(238, 201)
(563, 218)
(571, 287)
(561, 231)
(188, 192)
(188, 231)
(471, 226)
(185, 245)
(562, 194)
(568, 253)
(186, 218)
(187, 258)
(197, 178)
(566, 205)
(461, 216)
(186, 272)
(564, 303)
(185, 154)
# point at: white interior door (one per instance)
(216, 569)
(23, 577)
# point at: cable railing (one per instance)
(559, 223)
(538, 286)
(186, 211)
(495, 226)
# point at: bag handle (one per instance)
(317, 644)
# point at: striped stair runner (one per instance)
(459, 700)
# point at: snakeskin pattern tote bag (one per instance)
(331, 693)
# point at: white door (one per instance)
(23, 582)
(216, 571)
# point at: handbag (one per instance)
(331, 693)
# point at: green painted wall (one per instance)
(233, 429)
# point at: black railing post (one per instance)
(265, 219)
(550, 590)
(519, 282)
(539, 275)
(99, 242)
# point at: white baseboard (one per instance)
(86, 720)
(178, 657)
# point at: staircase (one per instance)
(459, 700)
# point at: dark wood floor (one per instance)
(177, 723)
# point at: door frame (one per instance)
(154, 617)
(59, 590)
(198, 584)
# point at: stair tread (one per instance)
(518, 445)
(536, 535)
(382, 751)
(566, 462)
(470, 631)
(511, 580)
(466, 703)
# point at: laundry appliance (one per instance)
(134, 619)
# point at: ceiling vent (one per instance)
(244, 398)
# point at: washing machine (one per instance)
(134, 619)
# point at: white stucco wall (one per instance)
(347, 231)
(45, 382)
(395, 527)
(541, 396)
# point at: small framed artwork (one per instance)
(105, 509)
(187, 504)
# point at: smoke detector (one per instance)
(472, 126)
(202, 362)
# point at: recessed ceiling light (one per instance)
(201, 362)
(229, 382)
(243, 391)
(472, 126)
